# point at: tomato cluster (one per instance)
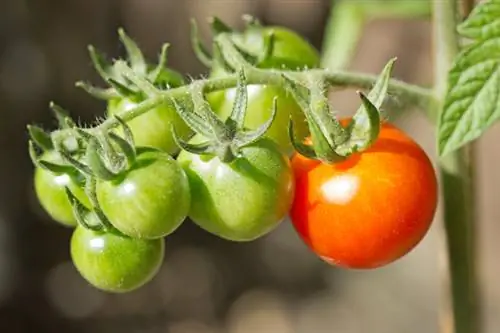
(363, 212)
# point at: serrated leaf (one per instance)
(483, 22)
(472, 102)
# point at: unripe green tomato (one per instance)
(154, 128)
(115, 263)
(290, 52)
(242, 200)
(150, 200)
(51, 193)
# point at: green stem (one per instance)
(411, 94)
(348, 18)
(457, 178)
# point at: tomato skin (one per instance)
(51, 193)
(115, 263)
(153, 128)
(243, 200)
(369, 210)
(150, 201)
(290, 52)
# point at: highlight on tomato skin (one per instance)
(370, 210)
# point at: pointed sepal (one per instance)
(95, 161)
(134, 53)
(41, 138)
(99, 93)
(199, 49)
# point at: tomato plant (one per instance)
(115, 263)
(241, 200)
(50, 191)
(149, 200)
(370, 209)
(289, 51)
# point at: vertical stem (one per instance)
(342, 33)
(457, 179)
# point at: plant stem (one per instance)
(411, 94)
(348, 18)
(457, 178)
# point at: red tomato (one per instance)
(369, 210)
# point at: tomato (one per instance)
(51, 193)
(153, 128)
(241, 200)
(150, 200)
(369, 210)
(115, 263)
(290, 52)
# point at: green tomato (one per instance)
(115, 263)
(154, 128)
(290, 52)
(51, 193)
(242, 200)
(150, 200)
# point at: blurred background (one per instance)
(206, 285)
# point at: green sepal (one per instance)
(126, 148)
(199, 49)
(193, 119)
(90, 191)
(41, 138)
(245, 138)
(224, 139)
(155, 74)
(66, 157)
(134, 53)
(217, 129)
(364, 134)
(365, 124)
(99, 93)
(198, 149)
(127, 131)
(237, 117)
(300, 147)
(62, 116)
(218, 26)
(80, 212)
(101, 65)
(123, 90)
(267, 52)
(140, 82)
(55, 168)
(326, 131)
(95, 162)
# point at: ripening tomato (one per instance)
(51, 193)
(290, 52)
(369, 210)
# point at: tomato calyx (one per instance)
(224, 138)
(224, 34)
(330, 141)
(158, 76)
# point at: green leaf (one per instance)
(472, 102)
(483, 22)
